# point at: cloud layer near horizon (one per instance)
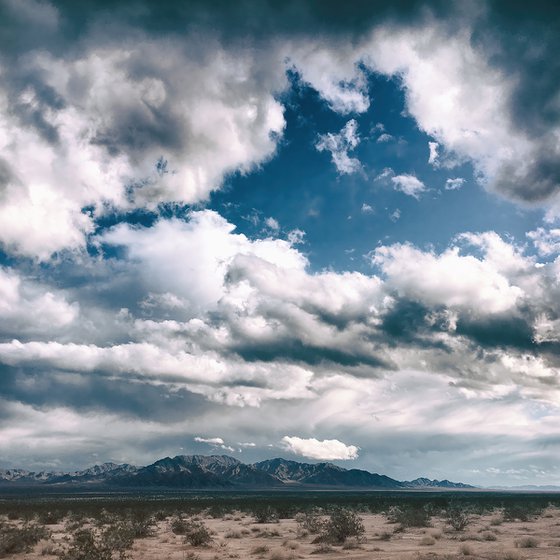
(224, 321)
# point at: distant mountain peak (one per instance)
(223, 471)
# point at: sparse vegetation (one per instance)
(457, 516)
(341, 525)
(20, 539)
(310, 521)
(411, 516)
(265, 514)
(107, 528)
(198, 534)
(527, 542)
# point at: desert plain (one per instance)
(417, 531)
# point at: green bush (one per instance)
(411, 516)
(342, 524)
(309, 521)
(87, 545)
(198, 535)
(115, 539)
(179, 525)
(457, 516)
(265, 514)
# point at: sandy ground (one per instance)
(238, 536)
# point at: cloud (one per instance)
(367, 209)
(272, 224)
(409, 185)
(190, 258)
(385, 174)
(433, 158)
(113, 110)
(384, 138)
(454, 184)
(327, 450)
(546, 241)
(216, 442)
(112, 126)
(296, 236)
(210, 441)
(339, 145)
(450, 278)
(28, 307)
(465, 103)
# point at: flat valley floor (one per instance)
(237, 535)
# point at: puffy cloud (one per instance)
(27, 307)
(384, 138)
(433, 158)
(115, 125)
(272, 224)
(454, 184)
(327, 449)
(339, 145)
(463, 101)
(216, 442)
(333, 70)
(211, 441)
(190, 259)
(409, 185)
(449, 279)
(546, 241)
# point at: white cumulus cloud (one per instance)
(339, 145)
(327, 449)
(409, 185)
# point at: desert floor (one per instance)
(237, 535)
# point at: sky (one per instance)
(310, 229)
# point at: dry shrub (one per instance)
(261, 549)
(466, 550)
(265, 515)
(527, 542)
(457, 516)
(309, 521)
(411, 516)
(20, 539)
(233, 535)
(198, 534)
(427, 541)
(323, 548)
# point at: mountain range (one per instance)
(221, 472)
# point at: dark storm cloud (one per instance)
(408, 322)
(502, 331)
(86, 393)
(295, 350)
